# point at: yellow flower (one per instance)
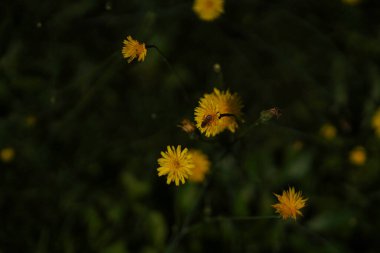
(201, 166)
(358, 156)
(328, 131)
(208, 10)
(177, 164)
(218, 111)
(207, 116)
(351, 2)
(7, 154)
(187, 126)
(133, 49)
(229, 105)
(290, 203)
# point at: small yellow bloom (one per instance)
(218, 111)
(177, 164)
(328, 131)
(208, 10)
(351, 2)
(201, 166)
(207, 116)
(187, 126)
(133, 49)
(290, 203)
(229, 104)
(7, 154)
(358, 156)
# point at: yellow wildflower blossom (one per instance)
(207, 116)
(229, 105)
(358, 156)
(328, 131)
(201, 166)
(208, 10)
(218, 111)
(133, 49)
(7, 154)
(177, 164)
(290, 203)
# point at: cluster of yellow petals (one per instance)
(217, 112)
(133, 49)
(180, 164)
(208, 10)
(358, 156)
(290, 203)
(176, 163)
(201, 166)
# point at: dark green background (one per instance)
(84, 178)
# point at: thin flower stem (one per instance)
(183, 86)
(316, 236)
(185, 226)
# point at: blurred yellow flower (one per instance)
(328, 131)
(351, 2)
(201, 166)
(218, 111)
(290, 203)
(187, 126)
(7, 154)
(358, 156)
(133, 49)
(208, 10)
(177, 164)
(376, 122)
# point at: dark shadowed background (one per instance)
(86, 128)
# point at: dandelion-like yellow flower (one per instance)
(177, 164)
(358, 156)
(229, 105)
(187, 126)
(218, 111)
(7, 154)
(133, 49)
(328, 131)
(201, 166)
(290, 203)
(207, 116)
(208, 10)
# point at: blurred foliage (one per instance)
(86, 128)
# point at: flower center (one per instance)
(209, 4)
(176, 164)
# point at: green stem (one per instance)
(181, 81)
